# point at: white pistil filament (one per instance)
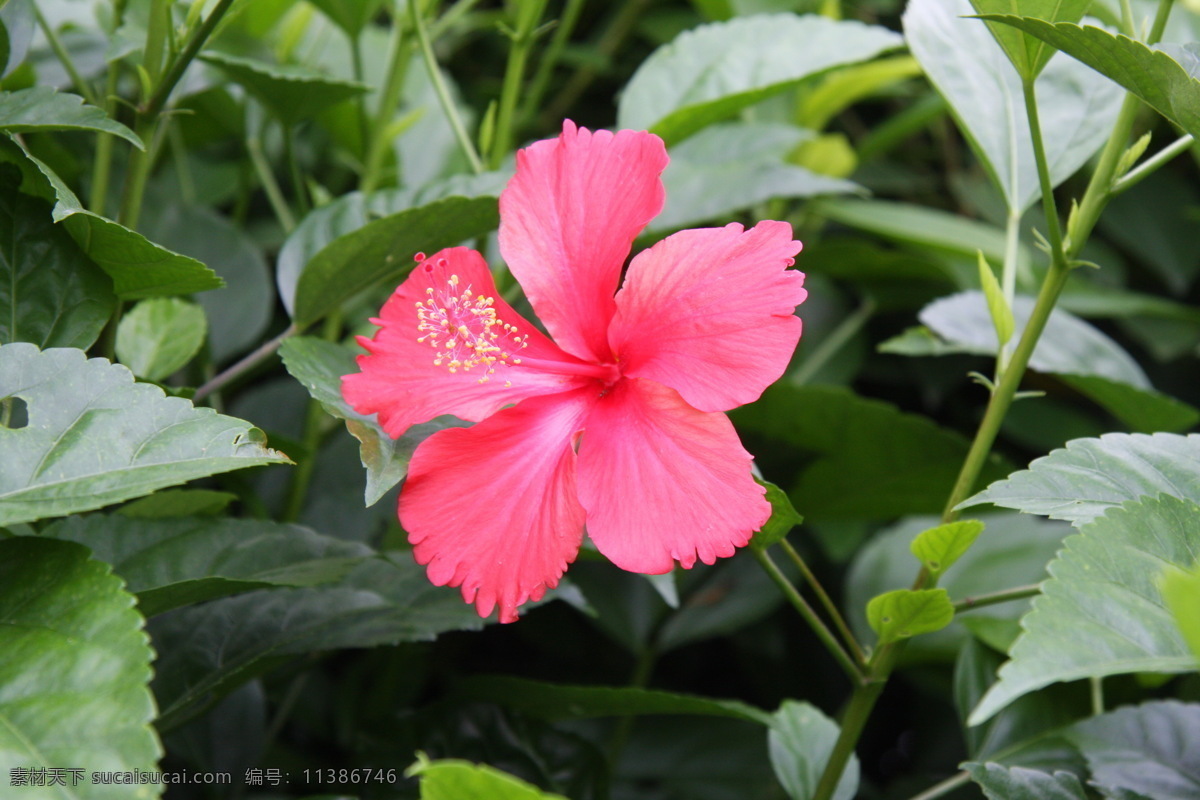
(465, 332)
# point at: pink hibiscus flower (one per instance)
(614, 423)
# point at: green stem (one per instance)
(64, 57)
(832, 344)
(852, 669)
(267, 178)
(514, 74)
(364, 126)
(1053, 227)
(858, 711)
(610, 41)
(550, 57)
(1097, 687)
(945, 787)
(175, 71)
(993, 598)
(389, 99)
(247, 363)
(140, 163)
(1152, 164)
(102, 168)
(827, 603)
(297, 179)
(639, 679)
(439, 86)
(316, 425)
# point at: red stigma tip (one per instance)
(419, 257)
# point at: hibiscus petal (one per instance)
(493, 508)
(567, 220)
(662, 481)
(400, 379)
(710, 313)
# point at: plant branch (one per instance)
(852, 669)
(1053, 225)
(529, 15)
(439, 86)
(833, 343)
(858, 711)
(827, 603)
(550, 58)
(1151, 165)
(945, 787)
(190, 50)
(64, 58)
(993, 598)
(389, 99)
(247, 363)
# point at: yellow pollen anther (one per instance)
(465, 330)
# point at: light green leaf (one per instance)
(448, 779)
(969, 69)
(349, 15)
(76, 670)
(729, 167)
(800, 743)
(94, 437)
(206, 650)
(43, 109)
(16, 31)
(170, 563)
(938, 548)
(711, 72)
(1100, 612)
(1068, 344)
(555, 701)
(998, 308)
(159, 336)
(293, 93)
(1026, 53)
(841, 89)
(320, 365)
(1143, 410)
(1166, 78)
(382, 251)
(1013, 551)
(1148, 749)
(1090, 476)
(50, 294)
(352, 211)
(905, 613)
(138, 267)
(926, 227)
(783, 518)
(1018, 783)
(847, 478)
(1180, 590)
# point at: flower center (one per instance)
(463, 329)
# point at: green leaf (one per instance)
(841, 89)
(939, 548)
(969, 69)
(1018, 783)
(905, 613)
(1148, 749)
(448, 779)
(241, 309)
(95, 437)
(730, 167)
(1026, 53)
(711, 72)
(783, 518)
(292, 93)
(76, 670)
(206, 650)
(158, 337)
(50, 294)
(555, 701)
(320, 365)
(178, 503)
(1154, 221)
(352, 211)
(1090, 476)
(1100, 613)
(170, 563)
(800, 743)
(43, 109)
(1180, 590)
(1012, 552)
(349, 15)
(1166, 78)
(138, 267)
(1143, 410)
(16, 30)
(998, 308)
(926, 227)
(382, 251)
(847, 476)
